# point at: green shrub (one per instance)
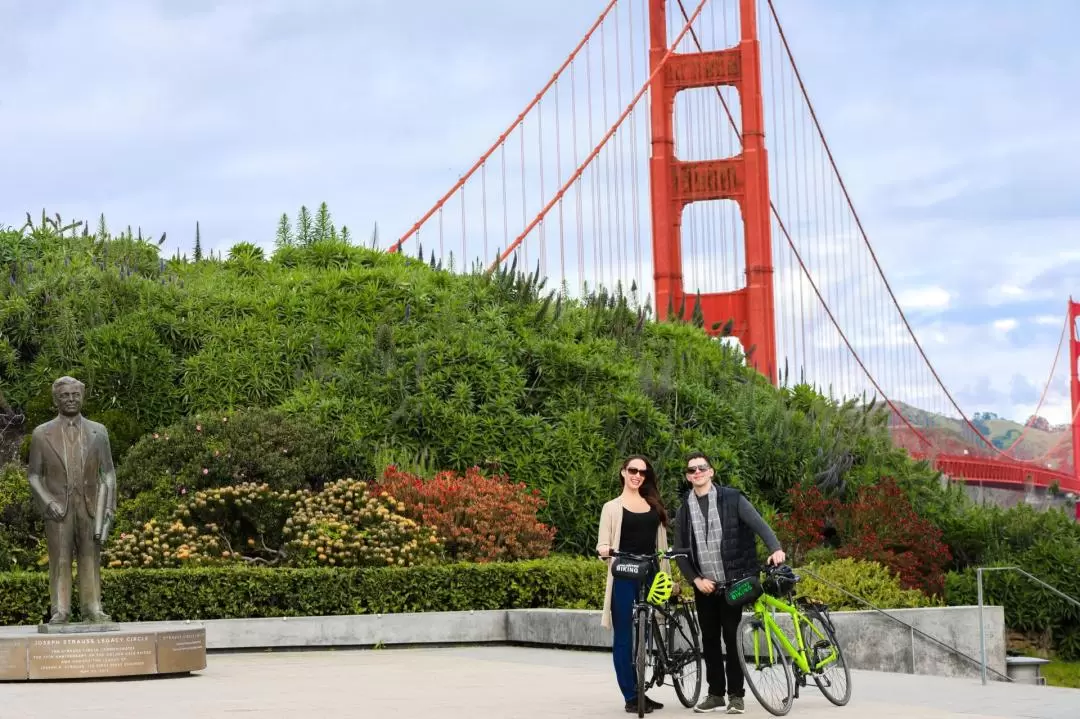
(1028, 606)
(22, 528)
(218, 450)
(233, 592)
(870, 581)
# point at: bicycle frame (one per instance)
(764, 608)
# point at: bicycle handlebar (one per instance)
(669, 554)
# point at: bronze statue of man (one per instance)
(74, 483)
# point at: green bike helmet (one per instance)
(661, 588)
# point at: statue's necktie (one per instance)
(74, 452)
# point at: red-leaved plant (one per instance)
(480, 519)
(878, 525)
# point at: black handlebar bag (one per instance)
(633, 569)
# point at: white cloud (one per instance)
(1005, 325)
(924, 298)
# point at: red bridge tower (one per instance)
(743, 178)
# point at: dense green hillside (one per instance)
(387, 357)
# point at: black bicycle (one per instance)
(665, 629)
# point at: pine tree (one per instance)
(198, 243)
(698, 316)
(305, 234)
(102, 228)
(284, 232)
(345, 236)
(323, 225)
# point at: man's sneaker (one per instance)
(735, 705)
(712, 703)
(652, 703)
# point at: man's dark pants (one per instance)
(720, 620)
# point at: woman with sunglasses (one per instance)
(635, 521)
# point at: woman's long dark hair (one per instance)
(649, 489)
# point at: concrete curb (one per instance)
(870, 641)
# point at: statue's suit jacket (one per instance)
(47, 462)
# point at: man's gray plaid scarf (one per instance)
(710, 562)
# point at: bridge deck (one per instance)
(480, 682)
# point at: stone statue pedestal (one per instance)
(97, 651)
(76, 628)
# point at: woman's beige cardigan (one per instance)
(610, 531)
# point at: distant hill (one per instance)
(1050, 444)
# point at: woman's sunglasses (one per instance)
(636, 471)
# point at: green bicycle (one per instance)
(773, 677)
(665, 630)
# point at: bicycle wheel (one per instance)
(765, 667)
(641, 644)
(684, 656)
(834, 679)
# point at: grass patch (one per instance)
(1062, 674)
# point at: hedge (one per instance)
(133, 595)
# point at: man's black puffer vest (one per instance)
(738, 546)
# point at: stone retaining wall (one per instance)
(870, 640)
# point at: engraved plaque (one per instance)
(182, 651)
(87, 656)
(12, 659)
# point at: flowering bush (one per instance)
(349, 525)
(879, 525)
(482, 519)
(225, 524)
(156, 545)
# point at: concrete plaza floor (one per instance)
(476, 682)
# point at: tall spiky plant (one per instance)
(284, 232)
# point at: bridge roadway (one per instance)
(477, 682)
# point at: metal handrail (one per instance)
(982, 627)
(934, 640)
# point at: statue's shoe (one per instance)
(59, 618)
(98, 618)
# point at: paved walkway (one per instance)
(479, 682)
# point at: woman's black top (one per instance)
(638, 533)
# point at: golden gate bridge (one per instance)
(676, 153)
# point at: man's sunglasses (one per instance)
(695, 468)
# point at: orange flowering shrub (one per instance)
(481, 519)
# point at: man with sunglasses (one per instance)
(719, 525)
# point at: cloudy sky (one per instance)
(951, 123)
